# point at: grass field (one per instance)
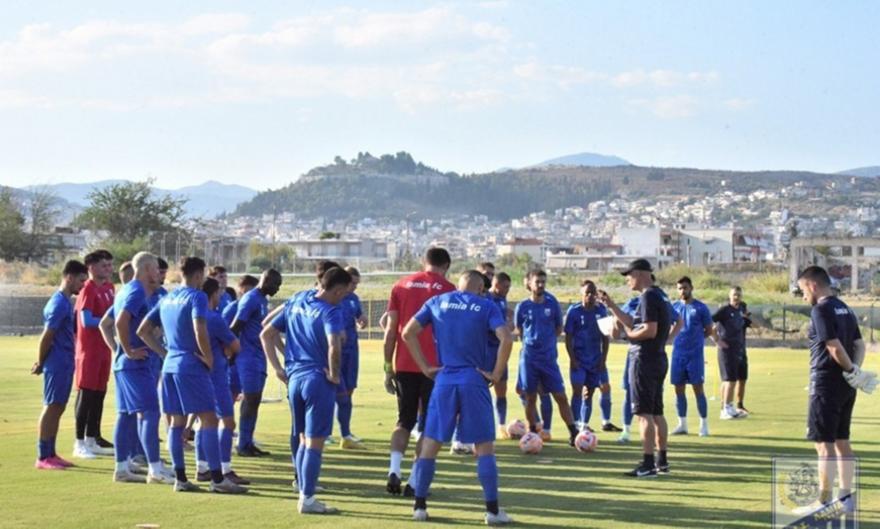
(720, 481)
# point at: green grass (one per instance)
(720, 481)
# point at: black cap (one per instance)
(638, 264)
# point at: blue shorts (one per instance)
(252, 379)
(588, 377)
(56, 386)
(348, 372)
(463, 407)
(234, 381)
(156, 362)
(540, 377)
(223, 404)
(136, 391)
(185, 393)
(687, 369)
(312, 399)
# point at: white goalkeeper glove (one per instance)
(863, 380)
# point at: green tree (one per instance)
(41, 213)
(12, 235)
(130, 210)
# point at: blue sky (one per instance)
(259, 92)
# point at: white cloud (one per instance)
(662, 78)
(668, 107)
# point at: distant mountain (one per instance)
(405, 189)
(585, 159)
(204, 200)
(867, 172)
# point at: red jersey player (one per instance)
(93, 359)
(403, 377)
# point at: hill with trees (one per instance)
(396, 186)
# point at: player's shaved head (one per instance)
(471, 281)
(816, 274)
(143, 260)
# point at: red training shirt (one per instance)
(96, 299)
(407, 297)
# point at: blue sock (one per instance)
(424, 473)
(501, 409)
(547, 411)
(311, 467)
(300, 457)
(605, 404)
(246, 426)
(702, 405)
(44, 449)
(175, 446)
(148, 428)
(134, 437)
(681, 404)
(588, 409)
(224, 440)
(343, 413)
(52, 451)
(120, 437)
(577, 408)
(211, 447)
(487, 471)
(200, 447)
(627, 409)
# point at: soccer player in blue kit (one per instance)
(251, 361)
(688, 361)
(461, 399)
(498, 295)
(539, 321)
(314, 328)
(354, 319)
(55, 361)
(587, 350)
(224, 345)
(137, 398)
(836, 352)
(187, 388)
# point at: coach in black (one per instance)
(836, 351)
(647, 332)
(731, 322)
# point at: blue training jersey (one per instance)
(695, 317)
(133, 299)
(460, 321)
(58, 317)
(229, 312)
(221, 337)
(581, 324)
(501, 303)
(307, 322)
(225, 300)
(252, 308)
(351, 309)
(538, 322)
(176, 314)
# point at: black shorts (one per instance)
(413, 393)
(646, 377)
(830, 412)
(733, 366)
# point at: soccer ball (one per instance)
(586, 441)
(516, 429)
(531, 443)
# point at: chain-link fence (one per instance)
(773, 324)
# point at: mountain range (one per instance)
(208, 199)
(866, 172)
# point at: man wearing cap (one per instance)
(647, 331)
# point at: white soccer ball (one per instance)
(516, 429)
(586, 441)
(531, 443)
